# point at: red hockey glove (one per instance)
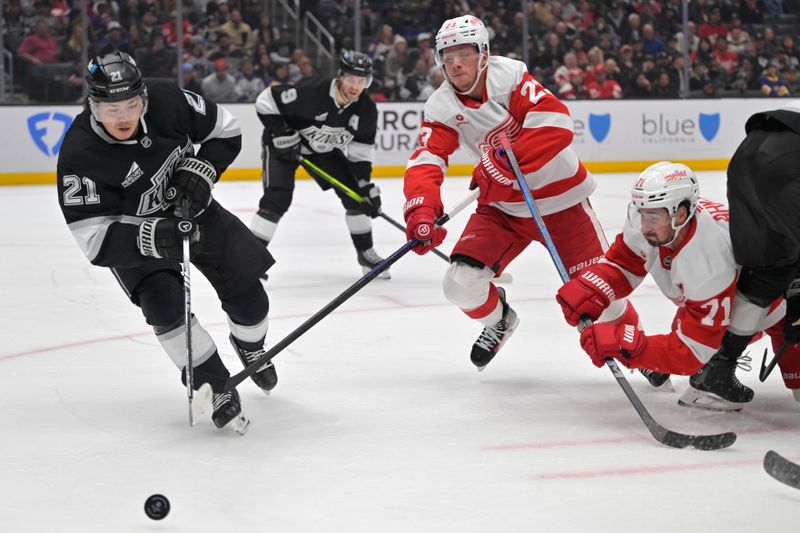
(621, 341)
(494, 169)
(420, 220)
(588, 294)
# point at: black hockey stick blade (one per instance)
(766, 369)
(782, 469)
(663, 435)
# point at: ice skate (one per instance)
(658, 380)
(716, 388)
(228, 410)
(369, 259)
(493, 337)
(266, 377)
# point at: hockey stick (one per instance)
(661, 434)
(234, 380)
(766, 369)
(505, 277)
(311, 167)
(782, 469)
(199, 405)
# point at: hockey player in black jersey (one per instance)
(332, 124)
(127, 160)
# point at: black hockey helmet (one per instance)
(114, 77)
(355, 63)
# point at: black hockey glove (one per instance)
(372, 194)
(286, 145)
(191, 181)
(163, 237)
(792, 325)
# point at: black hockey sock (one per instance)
(249, 346)
(362, 241)
(212, 371)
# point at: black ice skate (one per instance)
(658, 380)
(369, 259)
(716, 388)
(493, 337)
(228, 410)
(266, 377)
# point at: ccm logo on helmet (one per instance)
(119, 89)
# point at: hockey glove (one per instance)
(420, 220)
(372, 194)
(494, 169)
(286, 145)
(162, 238)
(620, 341)
(191, 181)
(588, 294)
(791, 327)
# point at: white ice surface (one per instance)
(379, 423)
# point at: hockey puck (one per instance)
(156, 507)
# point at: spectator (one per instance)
(790, 78)
(641, 87)
(369, 20)
(627, 68)
(265, 33)
(750, 12)
(417, 85)
(704, 53)
(714, 28)
(219, 86)
(562, 73)
(651, 44)
(240, 33)
(700, 81)
(189, 80)
(574, 86)
(694, 40)
(602, 88)
(72, 50)
(39, 47)
(280, 75)
(114, 40)
(253, 15)
(726, 58)
(664, 88)
(149, 24)
(772, 84)
(170, 30)
(283, 46)
(746, 78)
(264, 68)
(309, 75)
(225, 50)
(788, 47)
(158, 61)
(738, 39)
(396, 20)
(425, 51)
(395, 62)
(198, 55)
(383, 42)
(773, 7)
(632, 32)
(248, 83)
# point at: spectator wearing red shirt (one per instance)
(727, 58)
(38, 49)
(714, 27)
(603, 88)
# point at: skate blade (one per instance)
(201, 402)
(383, 275)
(240, 424)
(695, 399)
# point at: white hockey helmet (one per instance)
(466, 29)
(668, 185)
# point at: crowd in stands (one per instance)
(578, 49)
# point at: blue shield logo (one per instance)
(45, 135)
(709, 125)
(599, 126)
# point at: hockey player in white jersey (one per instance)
(683, 242)
(484, 96)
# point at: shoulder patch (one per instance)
(196, 101)
(289, 95)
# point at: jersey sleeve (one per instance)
(547, 127)
(214, 128)
(428, 164)
(93, 212)
(359, 152)
(696, 335)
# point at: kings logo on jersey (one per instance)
(152, 200)
(324, 139)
